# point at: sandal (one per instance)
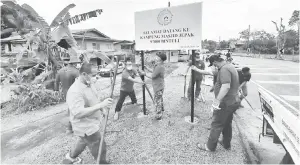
(203, 147)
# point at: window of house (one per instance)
(94, 45)
(98, 46)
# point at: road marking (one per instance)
(276, 97)
(267, 68)
(279, 82)
(278, 74)
(291, 98)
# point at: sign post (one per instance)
(170, 28)
(143, 78)
(192, 86)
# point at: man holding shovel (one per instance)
(86, 111)
(128, 80)
(198, 77)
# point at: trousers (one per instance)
(222, 123)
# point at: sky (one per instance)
(222, 19)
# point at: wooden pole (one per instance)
(143, 78)
(192, 86)
(106, 117)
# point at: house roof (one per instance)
(82, 31)
(126, 42)
(93, 38)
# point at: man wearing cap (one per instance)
(66, 77)
(198, 77)
(226, 102)
(158, 82)
(86, 111)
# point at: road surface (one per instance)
(279, 77)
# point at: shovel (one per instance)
(106, 117)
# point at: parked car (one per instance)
(183, 57)
(109, 69)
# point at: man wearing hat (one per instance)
(198, 77)
(158, 82)
(226, 102)
(66, 77)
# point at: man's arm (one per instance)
(134, 80)
(76, 105)
(202, 71)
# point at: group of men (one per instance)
(229, 87)
(85, 108)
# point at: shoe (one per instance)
(203, 147)
(222, 144)
(116, 116)
(69, 160)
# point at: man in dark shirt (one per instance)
(65, 78)
(225, 104)
(244, 77)
(128, 80)
(158, 83)
(198, 77)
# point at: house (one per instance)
(237, 45)
(124, 45)
(93, 40)
(12, 44)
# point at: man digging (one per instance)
(66, 76)
(225, 104)
(85, 115)
(158, 83)
(128, 80)
(198, 77)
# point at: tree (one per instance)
(210, 45)
(244, 34)
(224, 44)
(280, 38)
(293, 20)
(292, 41)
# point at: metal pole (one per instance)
(192, 90)
(143, 78)
(169, 4)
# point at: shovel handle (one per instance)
(106, 116)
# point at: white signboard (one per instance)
(172, 28)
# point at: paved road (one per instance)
(279, 77)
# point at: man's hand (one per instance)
(107, 103)
(142, 73)
(193, 67)
(215, 105)
(212, 89)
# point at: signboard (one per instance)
(172, 28)
(284, 123)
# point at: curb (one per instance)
(251, 158)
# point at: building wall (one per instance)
(100, 45)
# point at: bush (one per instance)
(28, 97)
